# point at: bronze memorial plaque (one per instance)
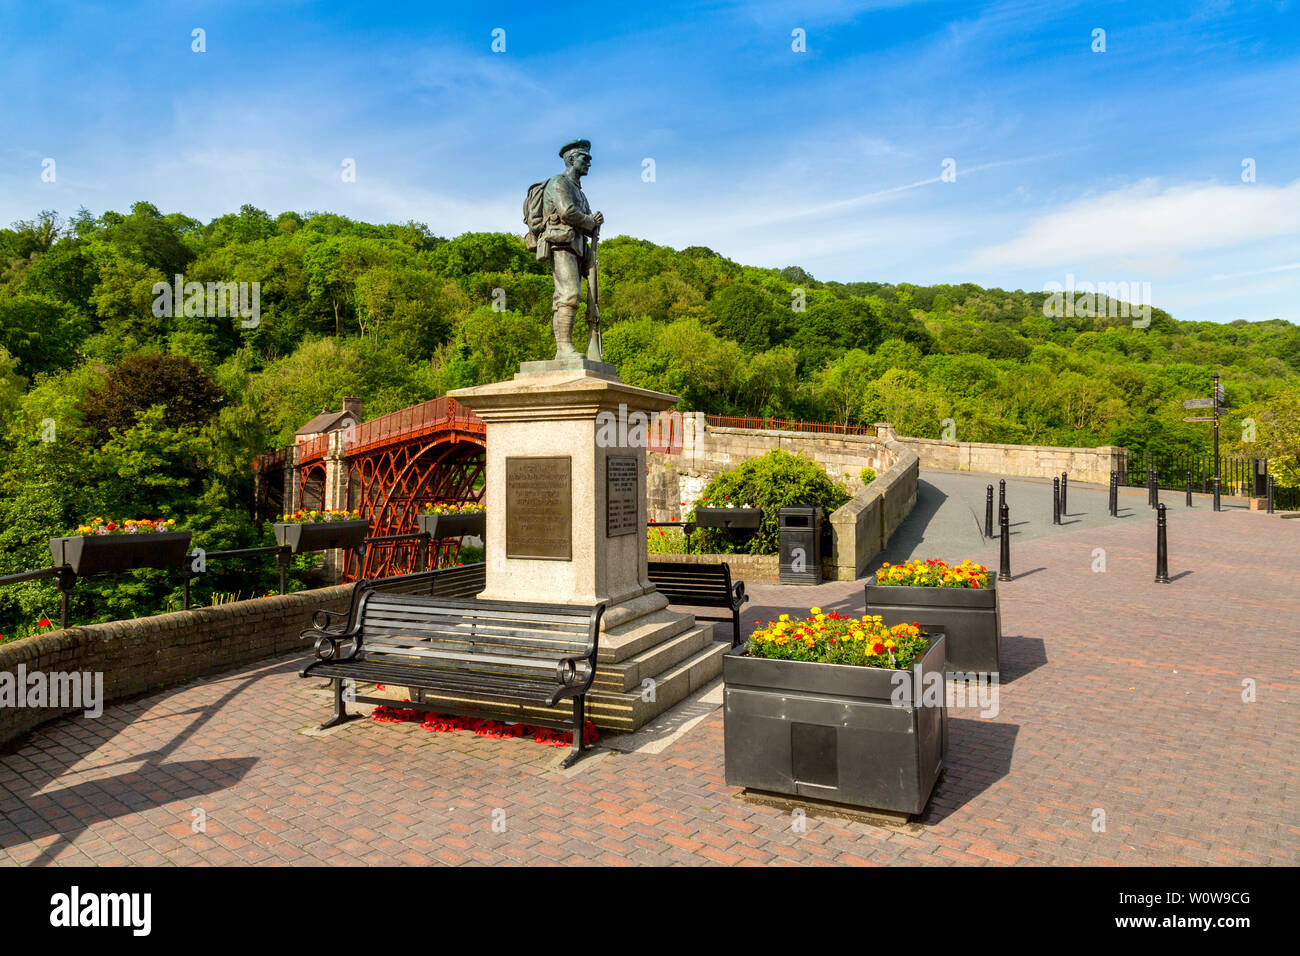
(539, 508)
(621, 487)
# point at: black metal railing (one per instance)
(187, 572)
(1238, 474)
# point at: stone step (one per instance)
(675, 684)
(639, 635)
(628, 674)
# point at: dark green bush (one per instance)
(774, 481)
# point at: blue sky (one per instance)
(1123, 165)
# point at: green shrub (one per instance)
(868, 475)
(771, 482)
(469, 554)
(665, 541)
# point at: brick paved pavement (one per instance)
(1121, 695)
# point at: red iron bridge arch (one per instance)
(389, 469)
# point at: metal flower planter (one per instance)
(734, 519)
(851, 735)
(97, 553)
(968, 617)
(453, 526)
(322, 535)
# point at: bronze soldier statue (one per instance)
(560, 222)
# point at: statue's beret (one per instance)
(576, 144)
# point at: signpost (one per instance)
(1213, 404)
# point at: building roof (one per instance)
(326, 422)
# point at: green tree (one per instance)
(39, 332)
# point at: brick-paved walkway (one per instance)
(1122, 696)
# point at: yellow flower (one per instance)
(815, 610)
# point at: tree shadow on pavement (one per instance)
(44, 808)
(911, 533)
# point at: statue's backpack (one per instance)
(533, 216)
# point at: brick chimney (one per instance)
(353, 405)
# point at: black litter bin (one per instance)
(800, 532)
(1260, 486)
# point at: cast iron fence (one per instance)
(67, 579)
(784, 425)
(1238, 474)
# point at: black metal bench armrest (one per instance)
(738, 595)
(327, 643)
(566, 669)
(328, 616)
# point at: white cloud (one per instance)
(1149, 221)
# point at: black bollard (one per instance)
(1150, 503)
(1162, 547)
(1270, 494)
(1056, 501)
(1004, 564)
(988, 512)
(1065, 487)
(1002, 493)
(1189, 487)
(1114, 494)
(1216, 494)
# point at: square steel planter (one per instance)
(322, 535)
(453, 526)
(96, 553)
(968, 617)
(834, 732)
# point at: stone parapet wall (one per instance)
(708, 451)
(1021, 461)
(148, 653)
(862, 528)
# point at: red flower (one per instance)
(45, 622)
(877, 648)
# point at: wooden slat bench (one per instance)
(701, 585)
(499, 651)
(459, 582)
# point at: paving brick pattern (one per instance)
(1121, 696)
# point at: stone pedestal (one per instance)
(566, 514)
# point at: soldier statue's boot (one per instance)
(563, 325)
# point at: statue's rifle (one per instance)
(595, 348)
